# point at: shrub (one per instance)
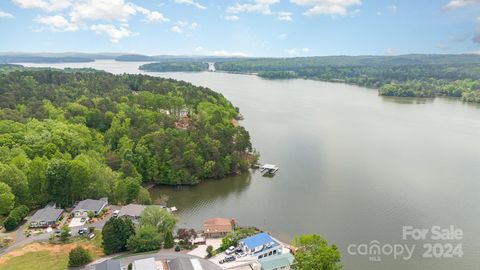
(169, 242)
(177, 248)
(15, 217)
(210, 251)
(78, 257)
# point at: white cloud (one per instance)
(453, 4)
(191, 3)
(115, 34)
(199, 49)
(256, 6)
(228, 54)
(327, 7)
(181, 26)
(391, 51)
(102, 16)
(47, 5)
(284, 16)
(56, 23)
(232, 18)
(282, 36)
(296, 51)
(6, 15)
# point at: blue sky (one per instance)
(241, 27)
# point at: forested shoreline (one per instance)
(402, 76)
(175, 67)
(67, 135)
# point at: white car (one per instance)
(116, 212)
(230, 250)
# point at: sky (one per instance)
(279, 28)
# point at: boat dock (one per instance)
(269, 169)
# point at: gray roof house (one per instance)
(89, 205)
(132, 211)
(185, 264)
(45, 217)
(108, 265)
(144, 264)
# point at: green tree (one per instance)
(314, 253)
(16, 179)
(169, 241)
(159, 218)
(65, 233)
(209, 251)
(58, 182)
(78, 257)
(15, 217)
(146, 238)
(7, 199)
(115, 233)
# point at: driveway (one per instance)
(77, 222)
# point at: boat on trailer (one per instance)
(269, 169)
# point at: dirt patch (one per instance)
(53, 248)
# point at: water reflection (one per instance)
(204, 194)
(408, 100)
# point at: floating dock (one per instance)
(269, 169)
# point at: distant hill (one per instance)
(43, 59)
(175, 58)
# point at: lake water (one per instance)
(354, 167)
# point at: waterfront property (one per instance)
(280, 262)
(218, 227)
(46, 217)
(260, 245)
(84, 207)
(108, 265)
(132, 211)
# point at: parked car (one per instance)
(82, 231)
(57, 233)
(91, 236)
(83, 219)
(230, 250)
(230, 259)
(116, 213)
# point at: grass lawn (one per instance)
(39, 260)
(49, 256)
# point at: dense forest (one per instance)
(175, 66)
(67, 135)
(404, 76)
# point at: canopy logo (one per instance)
(442, 243)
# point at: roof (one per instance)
(276, 261)
(90, 205)
(145, 264)
(215, 225)
(185, 264)
(46, 214)
(108, 265)
(133, 210)
(257, 240)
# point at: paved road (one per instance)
(22, 240)
(162, 255)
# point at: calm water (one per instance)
(354, 167)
